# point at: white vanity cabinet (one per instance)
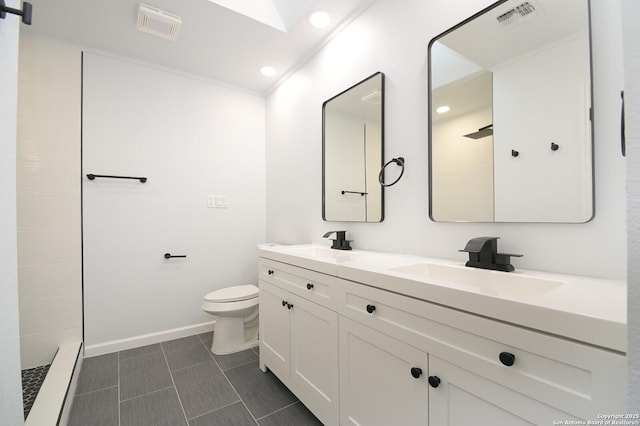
(299, 335)
(370, 350)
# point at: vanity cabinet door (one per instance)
(299, 344)
(377, 383)
(274, 329)
(462, 397)
(314, 358)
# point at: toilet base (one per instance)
(232, 335)
(246, 346)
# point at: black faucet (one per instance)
(483, 253)
(340, 243)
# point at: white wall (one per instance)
(191, 139)
(344, 149)
(631, 16)
(394, 40)
(551, 107)
(350, 149)
(558, 112)
(10, 382)
(464, 167)
(48, 198)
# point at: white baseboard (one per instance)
(146, 339)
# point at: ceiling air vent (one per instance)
(519, 12)
(373, 98)
(158, 22)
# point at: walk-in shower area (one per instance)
(48, 224)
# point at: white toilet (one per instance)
(236, 309)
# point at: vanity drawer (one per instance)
(311, 285)
(581, 379)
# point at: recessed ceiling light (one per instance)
(442, 109)
(268, 71)
(319, 19)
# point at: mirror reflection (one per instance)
(352, 150)
(510, 115)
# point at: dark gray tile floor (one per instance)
(181, 382)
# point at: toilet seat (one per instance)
(232, 294)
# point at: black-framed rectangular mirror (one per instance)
(352, 153)
(510, 117)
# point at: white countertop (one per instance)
(585, 309)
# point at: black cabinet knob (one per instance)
(416, 372)
(434, 381)
(309, 286)
(284, 303)
(371, 308)
(507, 358)
(289, 305)
(270, 272)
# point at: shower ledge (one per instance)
(56, 394)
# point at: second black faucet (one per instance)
(483, 253)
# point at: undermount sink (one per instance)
(492, 282)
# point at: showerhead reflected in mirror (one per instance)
(510, 135)
(352, 152)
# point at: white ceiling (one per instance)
(214, 42)
(486, 42)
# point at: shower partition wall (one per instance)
(48, 215)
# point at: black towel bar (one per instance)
(25, 13)
(92, 176)
(169, 255)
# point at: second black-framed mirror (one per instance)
(510, 117)
(352, 153)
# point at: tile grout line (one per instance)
(184, 413)
(96, 390)
(217, 409)
(119, 402)
(279, 409)
(147, 394)
(229, 381)
(239, 365)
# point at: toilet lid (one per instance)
(233, 294)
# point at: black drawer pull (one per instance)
(270, 272)
(284, 303)
(371, 308)
(434, 381)
(416, 372)
(309, 286)
(289, 305)
(507, 358)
